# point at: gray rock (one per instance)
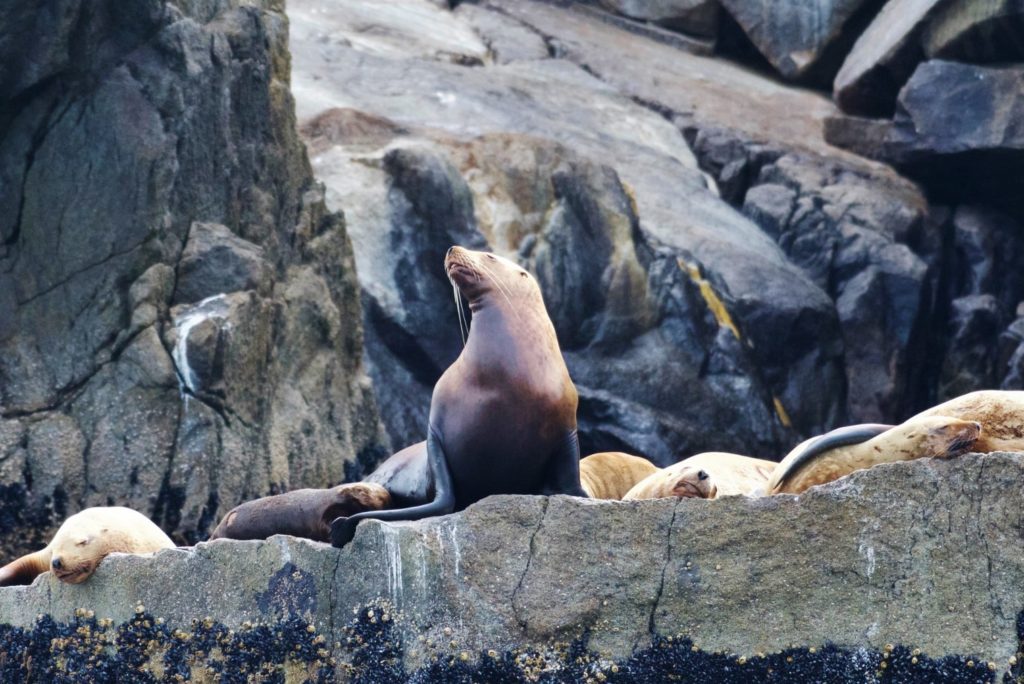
(216, 261)
(795, 36)
(520, 153)
(883, 58)
(954, 131)
(979, 32)
(123, 129)
(874, 565)
(971, 360)
(507, 40)
(699, 17)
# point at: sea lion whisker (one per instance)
(502, 289)
(463, 327)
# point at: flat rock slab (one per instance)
(911, 570)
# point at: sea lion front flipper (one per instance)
(343, 529)
(25, 569)
(563, 476)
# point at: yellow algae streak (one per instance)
(714, 302)
(780, 410)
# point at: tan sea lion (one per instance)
(1000, 412)
(503, 415)
(835, 454)
(83, 541)
(610, 474)
(707, 475)
(301, 513)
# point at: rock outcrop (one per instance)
(178, 310)
(906, 572)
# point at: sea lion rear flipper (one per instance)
(343, 529)
(563, 475)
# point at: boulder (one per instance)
(883, 58)
(905, 572)
(798, 39)
(149, 164)
(954, 129)
(697, 17)
(977, 32)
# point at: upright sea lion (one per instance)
(301, 513)
(1000, 412)
(503, 415)
(610, 474)
(840, 452)
(83, 541)
(707, 475)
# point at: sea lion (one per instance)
(610, 474)
(301, 513)
(503, 415)
(840, 452)
(1000, 412)
(406, 476)
(83, 541)
(707, 475)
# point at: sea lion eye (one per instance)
(701, 475)
(491, 257)
(82, 542)
(524, 274)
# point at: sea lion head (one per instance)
(941, 436)
(693, 482)
(482, 277)
(77, 548)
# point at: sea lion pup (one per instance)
(610, 474)
(707, 475)
(83, 541)
(503, 415)
(1000, 412)
(301, 513)
(840, 452)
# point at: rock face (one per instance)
(978, 32)
(795, 35)
(921, 557)
(883, 58)
(699, 17)
(955, 129)
(178, 311)
(658, 289)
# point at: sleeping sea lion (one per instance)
(707, 475)
(503, 415)
(610, 474)
(85, 539)
(1000, 412)
(840, 452)
(301, 513)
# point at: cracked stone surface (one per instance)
(923, 555)
(149, 162)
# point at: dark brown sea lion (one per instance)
(707, 475)
(503, 415)
(610, 474)
(86, 538)
(840, 452)
(301, 513)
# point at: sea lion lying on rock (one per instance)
(840, 452)
(301, 513)
(706, 475)
(610, 474)
(83, 541)
(503, 415)
(1000, 412)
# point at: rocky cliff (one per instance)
(179, 315)
(910, 572)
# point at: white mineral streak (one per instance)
(211, 307)
(393, 554)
